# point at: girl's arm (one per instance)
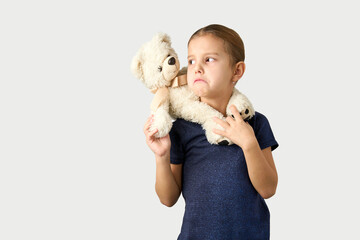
(262, 170)
(168, 180)
(168, 176)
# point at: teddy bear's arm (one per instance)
(161, 95)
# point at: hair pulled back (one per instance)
(232, 41)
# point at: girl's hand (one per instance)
(160, 146)
(236, 129)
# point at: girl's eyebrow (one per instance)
(210, 53)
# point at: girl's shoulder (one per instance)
(263, 131)
(258, 118)
(182, 124)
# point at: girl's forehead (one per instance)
(206, 42)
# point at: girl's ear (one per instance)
(238, 71)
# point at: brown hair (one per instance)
(232, 41)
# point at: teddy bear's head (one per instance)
(156, 63)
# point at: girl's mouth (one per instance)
(199, 80)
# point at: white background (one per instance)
(73, 158)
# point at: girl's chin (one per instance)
(198, 92)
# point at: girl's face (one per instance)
(210, 74)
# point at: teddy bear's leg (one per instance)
(242, 104)
(186, 105)
(162, 121)
(203, 114)
(212, 137)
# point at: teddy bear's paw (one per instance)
(245, 114)
(163, 122)
(212, 137)
(242, 104)
(163, 128)
(224, 143)
(216, 139)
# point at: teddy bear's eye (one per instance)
(160, 68)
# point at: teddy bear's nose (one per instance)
(171, 61)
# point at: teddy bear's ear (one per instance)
(163, 37)
(136, 66)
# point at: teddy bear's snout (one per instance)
(172, 61)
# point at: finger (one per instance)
(146, 127)
(150, 135)
(148, 124)
(236, 113)
(230, 120)
(222, 123)
(219, 132)
(153, 132)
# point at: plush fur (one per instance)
(154, 65)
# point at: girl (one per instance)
(223, 186)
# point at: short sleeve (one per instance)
(176, 150)
(263, 132)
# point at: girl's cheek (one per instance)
(191, 85)
(189, 77)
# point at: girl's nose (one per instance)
(198, 68)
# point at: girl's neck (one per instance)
(218, 104)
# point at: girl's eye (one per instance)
(210, 59)
(191, 62)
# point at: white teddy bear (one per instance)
(156, 64)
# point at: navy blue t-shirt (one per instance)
(220, 201)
